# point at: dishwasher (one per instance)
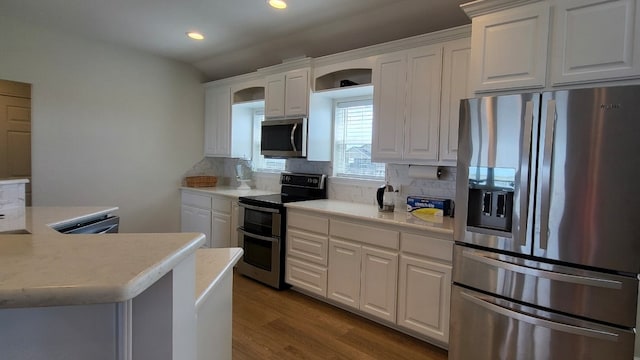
(102, 225)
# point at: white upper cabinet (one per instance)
(416, 103)
(389, 83)
(589, 42)
(455, 87)
(509, 48)
(217, 121)
(595, 40)
(287, 94)
(229, 119)
(424, 67)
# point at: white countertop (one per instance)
(47, 268)
(211, 265)
(228, 191)
(13, 181)
(440, 225)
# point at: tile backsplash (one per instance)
(347, 190)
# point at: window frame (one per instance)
(346, 175)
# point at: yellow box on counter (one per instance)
(429, 206)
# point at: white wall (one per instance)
(110, 125)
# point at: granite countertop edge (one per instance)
(440, 226)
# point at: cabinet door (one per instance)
(235, 215)
(455, 87)
(306, 276)
(423, 297)
(422, 119)
(343, 284)
(595, 40)
(296, 99)
(274, 95)
(217, 121)
(193, 219)
(509, 48)
(220, 230)
(379, 281)
(389, 90)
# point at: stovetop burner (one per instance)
(295, 187)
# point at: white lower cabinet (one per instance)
(307, 252)
(195, 215)
(344, 272)
(363, 267)
(386, 273)
(210, 215)
(424, 288)
(378, 283)
(235, 222)
(220, 221)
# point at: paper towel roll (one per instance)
(424, 172)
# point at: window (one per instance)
(259, 162)
(352, 140)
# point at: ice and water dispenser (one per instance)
(490, 203)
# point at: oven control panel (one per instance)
(313, 181)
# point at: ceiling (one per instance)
(241, 35)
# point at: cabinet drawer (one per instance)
(306, 246)
(200, 201)
(308, 222)
(366, 234)
(426, 246)
(221, 204)
(306, 276)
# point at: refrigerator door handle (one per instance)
(547, 159)
(551, 275)
(571, 329)
(524, 172)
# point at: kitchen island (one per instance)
(107, 296)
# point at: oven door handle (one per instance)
(258, 208)
(259, 237)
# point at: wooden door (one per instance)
(15, 132)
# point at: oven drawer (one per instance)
(487, 328)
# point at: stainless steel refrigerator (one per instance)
(547, 251)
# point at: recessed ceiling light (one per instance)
(195, 35)
(278, 4)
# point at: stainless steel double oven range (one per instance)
(262, 232)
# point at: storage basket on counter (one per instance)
(201, 181)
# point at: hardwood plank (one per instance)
(286, 325)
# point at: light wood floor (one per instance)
(271, 324)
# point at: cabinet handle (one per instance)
(570, 329)
(546, 173)
(544, 274)
(259, 237)
(293, 133)
(259, 208)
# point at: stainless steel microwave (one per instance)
(284, 138)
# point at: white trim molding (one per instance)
(483, 7)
